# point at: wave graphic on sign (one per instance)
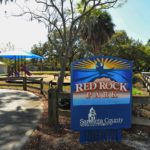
(115, 75)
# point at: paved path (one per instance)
(19, 113)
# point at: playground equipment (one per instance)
(19, 57)
(25, 70)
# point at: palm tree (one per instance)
(96, 30)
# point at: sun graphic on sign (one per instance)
(102, 63)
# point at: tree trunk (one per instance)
(62, 74)
(41, 65)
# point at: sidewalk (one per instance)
(19, 113)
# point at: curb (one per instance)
(28, 133)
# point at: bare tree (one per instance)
(1, 1)
(63, 20)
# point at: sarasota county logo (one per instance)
(91, 115)
(93, 121)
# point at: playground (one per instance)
(18, 67)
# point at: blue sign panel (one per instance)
(101, 97)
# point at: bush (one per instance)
(137, 81)
(136, 91)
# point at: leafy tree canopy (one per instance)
(122, 46)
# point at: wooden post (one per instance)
(24, 83)
(15, 66)
(148, 87)
(41, 85)
(52, 106)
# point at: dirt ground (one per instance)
(61, 137)
(48, 78)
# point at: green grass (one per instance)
(136, 91)
(2, 74)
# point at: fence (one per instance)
(53, 96)
(26, 82)
(13, 81)
(39, 85)
(146, 78)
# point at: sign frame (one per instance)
(116, 72)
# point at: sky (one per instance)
(19, 31)
(133, 17)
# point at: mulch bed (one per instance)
(61, 137)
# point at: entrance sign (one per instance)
(101, 98)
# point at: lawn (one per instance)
(136, 91)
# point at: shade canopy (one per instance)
(19, 54)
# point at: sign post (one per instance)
(101, 98)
